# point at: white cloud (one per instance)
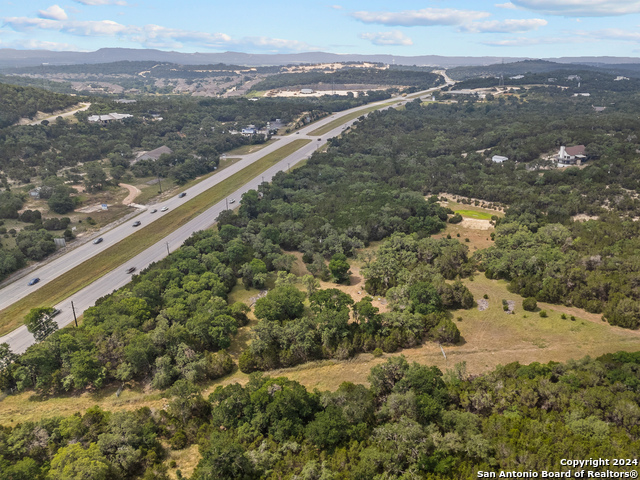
(612, 34)
(581, 8)
(54, 12)
(504, 26)
(336, 7)
(424, 17)
(507, 5)
(33, 44)
(82, 28)
(387, 38)
(155, 36)
(122, 3)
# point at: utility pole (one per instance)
(159, 183)
(74, 313)
(227, 200)
(167, 243)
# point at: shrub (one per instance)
(457, 218)
(390, 344)
(529, 304)
(563, 316)
(543, 314)
(247, 362)
(377, 352)
(485, 296)
(178, 440)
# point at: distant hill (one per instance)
(22, 58)
(540, 66)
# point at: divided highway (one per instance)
(20, 339)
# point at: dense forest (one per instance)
(24, 102)
(411, 422)
(369, 76)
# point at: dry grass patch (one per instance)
(23, 407)
(186, 461)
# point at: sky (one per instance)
(516, 28)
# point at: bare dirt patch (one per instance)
(133, 193)
(475, 224)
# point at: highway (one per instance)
(20, 339)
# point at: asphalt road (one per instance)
(20, 339)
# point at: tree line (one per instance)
(412, 420)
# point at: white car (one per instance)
(164, 209)
(233, 200)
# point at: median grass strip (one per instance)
(345, 118)
(79, 277)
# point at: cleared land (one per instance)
(81, 276)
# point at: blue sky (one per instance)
(531, 28)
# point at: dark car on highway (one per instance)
(131, 269)
(33, 281)
(136, 224)
(182, 195)
(97, 241)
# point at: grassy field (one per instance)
(57, 290)
(339, 121)
(477, 214)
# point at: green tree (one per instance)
(339, 268)
(280, 304)
(310, 283)
(424, 298)
(96, 178)
(223, 457)
(61, 201)
(529, 304)
(39, 322)
(77, 463)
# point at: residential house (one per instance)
(153, 154)
(571, 155)
(111, 117)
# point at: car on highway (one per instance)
(154, 210)
(131, 269)
(97, 241)
(55, 312)
(137, 223)
(182, 195)
(33, 281)
(233, 200)
(164, 209)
